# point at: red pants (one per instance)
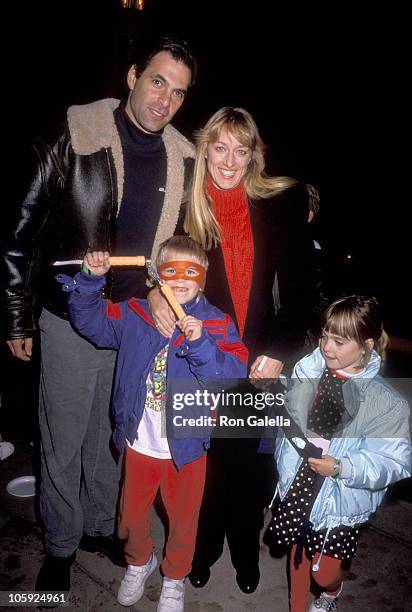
(181, 493)
(328, 577)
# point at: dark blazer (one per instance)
(282, 249)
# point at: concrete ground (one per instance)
(379, 579)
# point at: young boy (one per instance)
(145, 360)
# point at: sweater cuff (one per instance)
(194, 349)
(346, 468)
(81, 283)
(193, 344)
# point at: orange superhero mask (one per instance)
(183, 269)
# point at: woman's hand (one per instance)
(97, 262)
(264, 371)
(162, 314)
(270, 368)
(324, 466)
(191, 327)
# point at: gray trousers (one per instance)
(79, 475)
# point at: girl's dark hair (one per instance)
(357, 318)
(145, 49)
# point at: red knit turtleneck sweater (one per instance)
(232, 213)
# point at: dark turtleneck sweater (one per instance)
(145, 167)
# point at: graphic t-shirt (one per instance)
(151, 435)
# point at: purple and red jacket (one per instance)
(128, 328)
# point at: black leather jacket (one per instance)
(67, 203)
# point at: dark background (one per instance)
(323, 87)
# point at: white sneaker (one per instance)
(325, 602)
(132, 586)
(172, 597)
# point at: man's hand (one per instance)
(97, 262)
(162, 314)
(191, 327)
(21, 348)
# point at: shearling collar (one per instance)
(92, 127)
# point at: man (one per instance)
(112, 179)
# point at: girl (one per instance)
(361, 424)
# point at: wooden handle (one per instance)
(171, 298)
(139, 260)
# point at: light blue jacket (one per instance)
(374, 444)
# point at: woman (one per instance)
(255, 229)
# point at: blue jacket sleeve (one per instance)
(90, 313)
(381, 458)
(210, 359)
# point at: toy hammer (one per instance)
(139, 260)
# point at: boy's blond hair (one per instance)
(179, 246)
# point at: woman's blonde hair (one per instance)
(357, 318)
(200, 220)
